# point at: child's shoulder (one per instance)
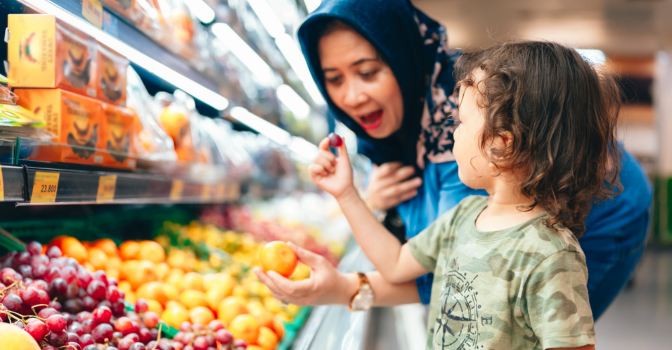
(468, 207)
(548, 241)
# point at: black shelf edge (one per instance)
(13, 184)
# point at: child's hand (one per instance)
(331, 174)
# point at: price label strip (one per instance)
(176, 190)
(92, 10)
(2, 187)
(45, 187)
(107, 185)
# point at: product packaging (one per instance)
(112, 69)
(72, 118)
(117, 132)
(44, 52)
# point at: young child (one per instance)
(537, 132)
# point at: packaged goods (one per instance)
(117, 129)
(73, 119)
(112, 69)
(44, 52)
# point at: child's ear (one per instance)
(502, 147)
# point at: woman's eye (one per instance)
(368, 74)
(333, 80)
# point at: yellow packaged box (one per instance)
(44, 52)
(118, 132)
(112, 76)
(73, 118)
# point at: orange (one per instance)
(263, 316)
(239, 291)
(174, 316)
(229, 308)
(154, 306)
(175, 281)
(129, 250)
(193, 298)
(152, 290)
(193, 281)
(244, 327)
(142, 274)
(125, 286)
(279, 327)
(173, 303)
(130, 297)
(14, 338)
(162, 271)
(58, 241)
(222, 281)
(107, 245)
(201, 315)
(152, 251)
(128, 267)
(267, 338)
(97, 258)
(112, 272)
(114, 262)
(171, 292)
(279, 257)
(178, 260)
(215, 295)
(73, 248)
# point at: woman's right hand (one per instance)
(389, 185)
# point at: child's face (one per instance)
(472, 164)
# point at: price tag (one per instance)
(176, 190)
(206, 192)
(45, 187)
(2, 187)
(92, 10)
(220, 192)
(106, 188)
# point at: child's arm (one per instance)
(334, 175)
(586, 347)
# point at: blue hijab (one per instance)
(415, 48)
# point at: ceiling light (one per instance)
(244, 52)
(201, 10)
(297, 61)
(153, 66)
(293, 102)
(593, 56)
(268, 18)
(307, 151)
(312, 5)
(262, 126)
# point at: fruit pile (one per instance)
(61, 304)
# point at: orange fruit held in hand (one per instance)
(279, 257)
(244, 327)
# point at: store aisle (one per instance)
(641, 317)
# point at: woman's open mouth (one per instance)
(372, 120)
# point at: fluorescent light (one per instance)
(244, 52)
(593, 56)
(201, 10)
(293, 102)
(260, 125)
(297, 61)
(307, 151)
(312, 5)
(268, 18)
(155, 67)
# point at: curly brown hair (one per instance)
(562, 113)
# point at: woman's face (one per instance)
(360, 83)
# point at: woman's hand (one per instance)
(330, 174)
(325, 286)
(389, 185)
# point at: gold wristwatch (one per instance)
(363, 299)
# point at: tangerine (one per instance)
(244, 327)
(108, 246)
(73, 248)
(193, 281)
(171, 292)
(97, 258)
(154, 306)
(152, 251)
(229, 308)
(279, 257)
(174, 316)
(143, 273)
(193, 298)
(267, 338)
(129, 250)
(263, 316)
(201, 315)
(215, 295)
(279, 327)
(152, 290)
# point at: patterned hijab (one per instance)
(415, 47)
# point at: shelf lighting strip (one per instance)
(193, 88)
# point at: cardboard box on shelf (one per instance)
(73, 118)
(111, 75)
(44, 52)
(118, 133)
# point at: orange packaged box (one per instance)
(112, 76)
(73, 118)
(44, 52)
(118, 132)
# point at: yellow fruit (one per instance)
(193, 298)
(254, 347)
(174, 303)
(244, 327)
(152, 251)
(89, 267)
(174, 316)
(267, 338)
(255, 305)
(73, 248)
(263, 316)
(143, 273)
(171, 292)
(162, 271)
(273, 305)
(193, 281)
(215, 295)
(239, 291)
(128, 267)
(201, 315)
(154, 306)
(130, 297)
(279, 257)
(125, 286)
(279, 327)
(129, 250)
(97, 258)
(13, 338)
(114, 262)
(229, 308)
(108, 246)
(178, 260)
(113, 273)
(152, 290)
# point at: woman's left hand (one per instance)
(325, 286)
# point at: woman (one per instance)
(385, 70)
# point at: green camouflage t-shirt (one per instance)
(519, 288)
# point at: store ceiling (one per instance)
(619, 27)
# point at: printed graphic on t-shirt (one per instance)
(456, 326)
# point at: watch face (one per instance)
(362, 302)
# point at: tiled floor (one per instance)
(641, 316)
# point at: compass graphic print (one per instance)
(456, 326)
